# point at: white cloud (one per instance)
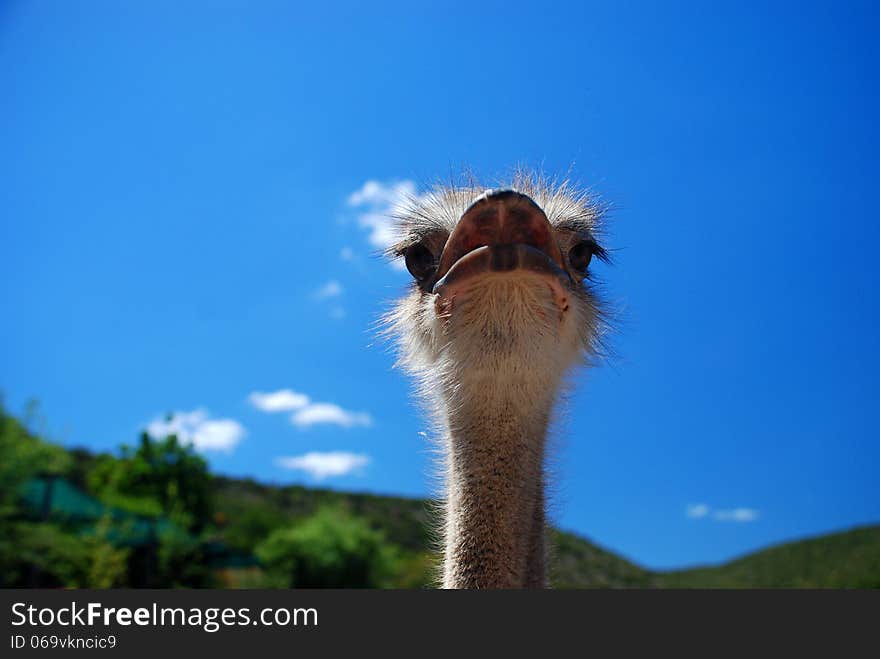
(283, 400)
(337, 313)
(702, 510)
(331, 289)
(346, 254)
(198, 429)
(317, 413)
(384, 195)
(697, 510)
(377, 202)
(307, 413)
(736, 515)
(324, 465)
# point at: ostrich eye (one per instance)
(580, 255)
(419, 261)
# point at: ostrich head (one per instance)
(501, 280)
(501, 306)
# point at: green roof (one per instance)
(69, 504)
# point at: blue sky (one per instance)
(189, 202)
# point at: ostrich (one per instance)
(501, 307)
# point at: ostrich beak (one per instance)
(502, 231)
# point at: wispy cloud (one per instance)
(736, 515)
(325, 465)
(376, 202)
(283, 400)
(331, 289)
(197, 428)
(318, 413)
(702, 510)
(307, 413)
(346, 254)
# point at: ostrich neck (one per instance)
(494, 526)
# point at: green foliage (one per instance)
(850, 559)
(49, 555)
(245, 519)
(109, 564)
(163, 521)
(247, 511)
(40, 554)
(419, 570)
(579, 564)
(32, 553)
(23, 456)
(330, 549)
(160, 476)
(181, 562)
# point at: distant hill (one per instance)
(849, 559)
(57, 531)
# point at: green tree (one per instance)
(332, 548)
(23, 456)
(160, 476)
(32, 553)
(181, 561)
(42, 554)
(107, 564)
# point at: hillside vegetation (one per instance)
(153, 515)
(849, 559)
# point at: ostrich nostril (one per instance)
(500, 218)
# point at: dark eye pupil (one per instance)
(580, 255)
(419, 261)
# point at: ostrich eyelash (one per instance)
(600, 252)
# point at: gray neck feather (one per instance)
(495, 520)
